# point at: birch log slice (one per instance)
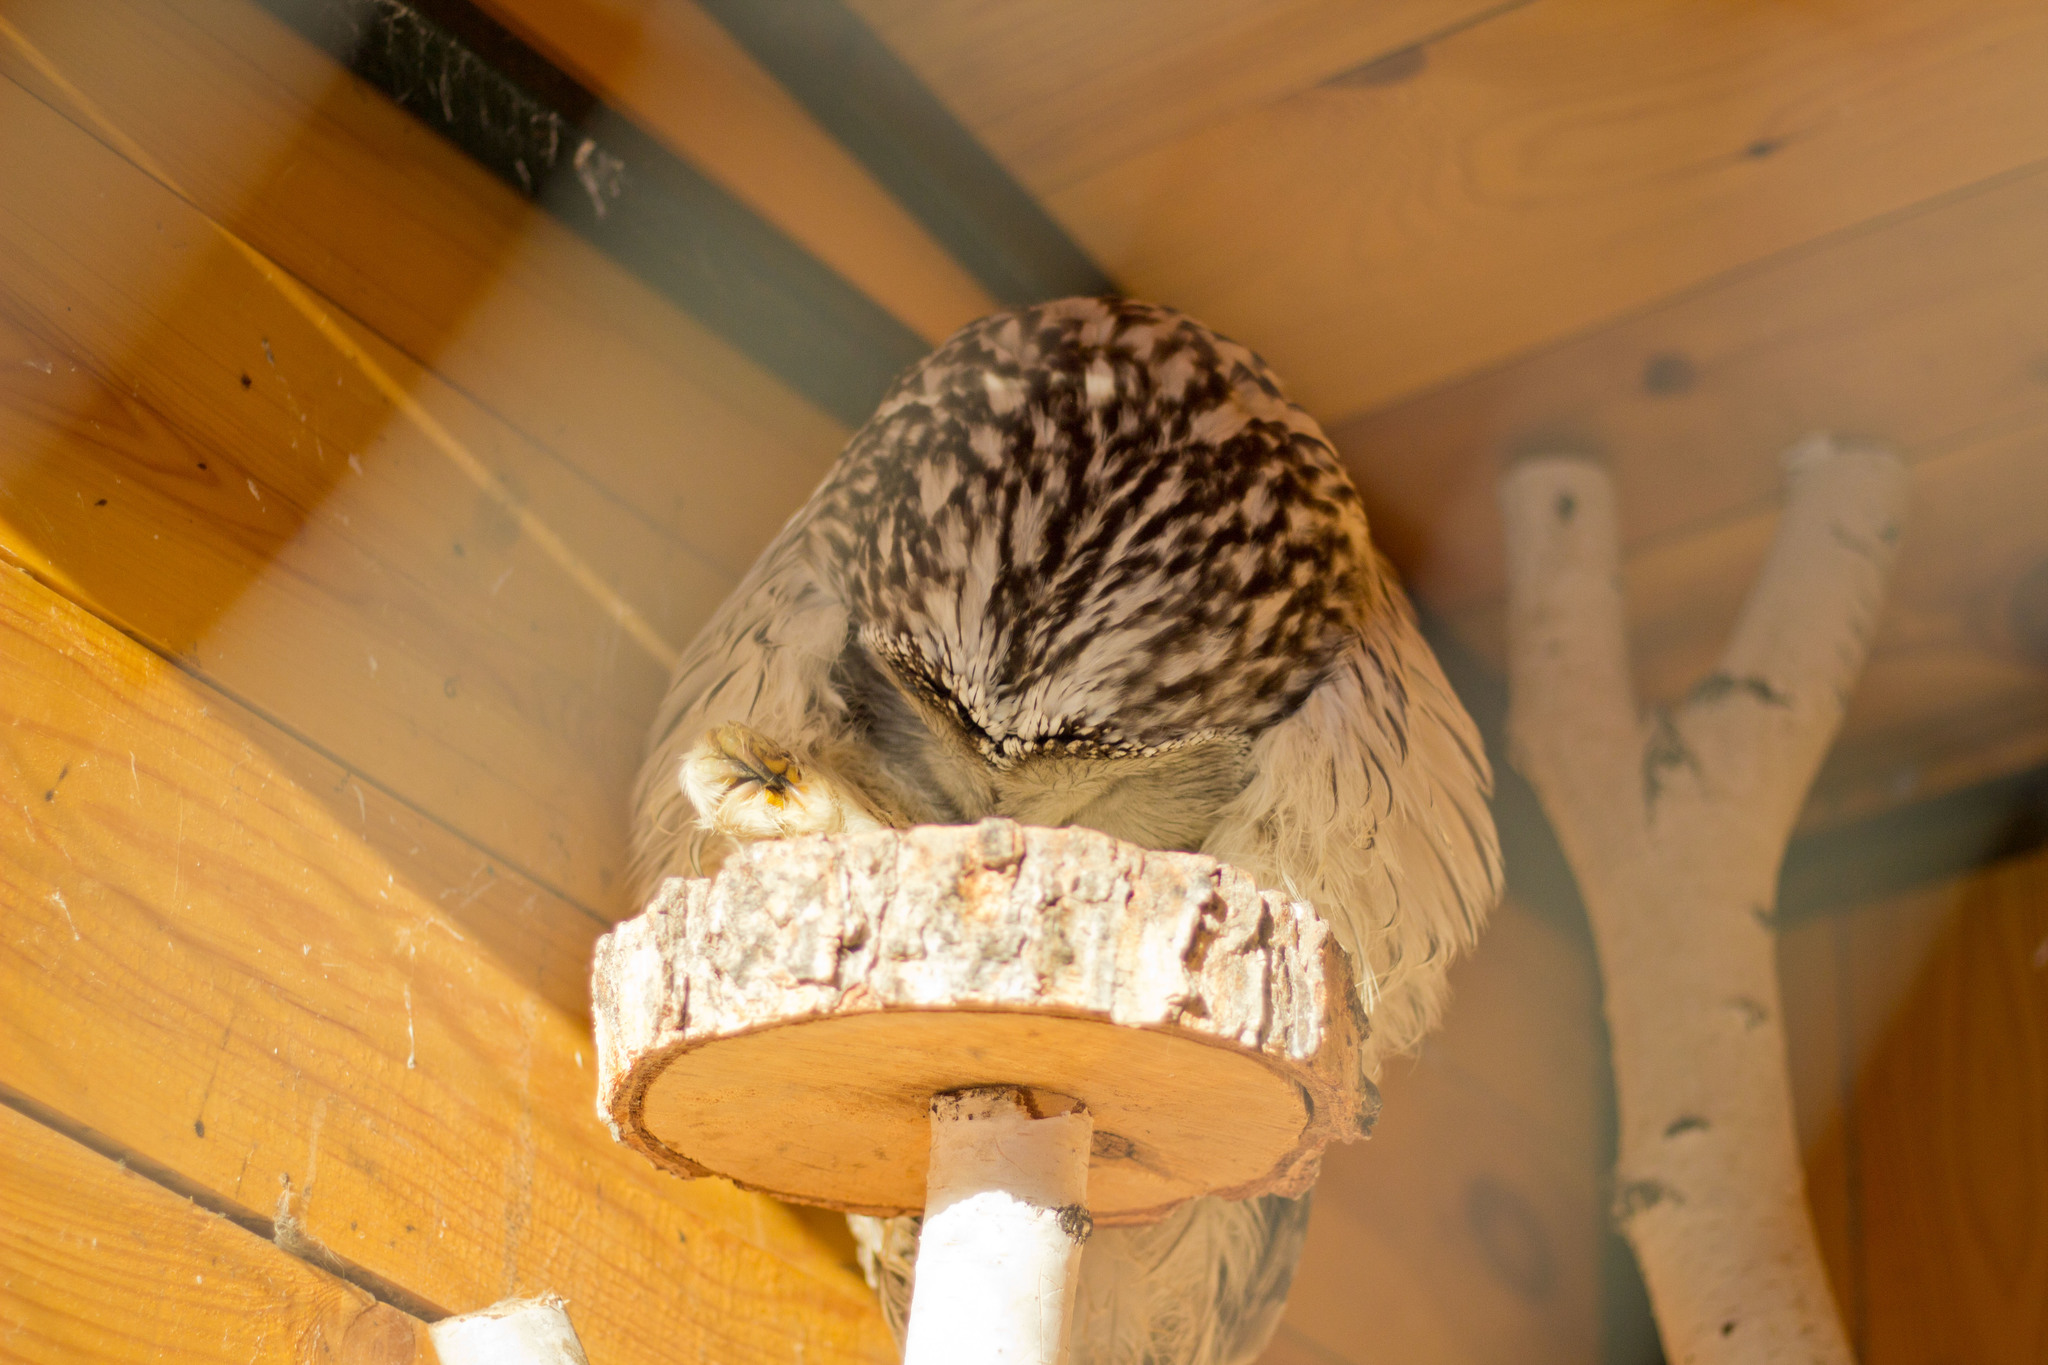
(786, 1023)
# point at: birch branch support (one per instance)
(1005, 1218)
(1675, 827)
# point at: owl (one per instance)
(1087, 565)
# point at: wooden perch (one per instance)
(1675, 828)
(785, 1023)
(1019, 1032)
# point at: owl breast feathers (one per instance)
(1087, 565)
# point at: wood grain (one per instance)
(1845, 980)
(787, 1022)
(1929, 330)
(681, 76)
(1952, 1125)
(103, 1265)
(209, 968)
(658, 416)
(1059, 90)
(1553, 168)
(1950, 695)
(188, 455)
(1469, 1229)
(1922, 1023)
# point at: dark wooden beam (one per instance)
(555, 142)
(875, 105)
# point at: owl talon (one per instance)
(746, 786)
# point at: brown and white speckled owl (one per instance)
(1086, 565)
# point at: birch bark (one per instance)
(1675, 826)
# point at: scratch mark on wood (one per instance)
(58, 896)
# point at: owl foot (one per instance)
(747, 787)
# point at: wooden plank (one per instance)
(1059, 89)
(1930, 329)
(189, 454)
(207, 965)
(1951, 1124)
(97, 1263)
(1950, 697)
(402, 231)
(1887, 1008)
(683, 77)
(1553, 168)
(1841, 979)
(1469, 1228)
(870, 100)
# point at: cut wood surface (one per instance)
(685, 79)
(103, 1265)
(404, 233)
(1551, 168)
(187, 454)
(208, 967)
(787, 1022)
(1060, 88)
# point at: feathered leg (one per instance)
(745, 786)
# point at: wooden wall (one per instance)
(350, 511)
(1920, 1046)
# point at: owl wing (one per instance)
(1369, 802)
(765, 659)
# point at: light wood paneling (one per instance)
(102, 1265)
(671, 67)
(405, 234)
(1551, 168)
(188, 454)
(1949, 696)
(209, 968)
(1952, 1126)
(1469, 1228)
(1930, 330)
(1925, 1103)
(1062, 89)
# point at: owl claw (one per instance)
(747, 787)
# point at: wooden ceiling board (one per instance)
(1928, 329)
(1553, 168)
(1950, 695)
(1062, 89)
(1469, 1228)
(658, 414)
(187, 453)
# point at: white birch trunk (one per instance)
(514, 1332)
(1675, 828)
(1005, 1217)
